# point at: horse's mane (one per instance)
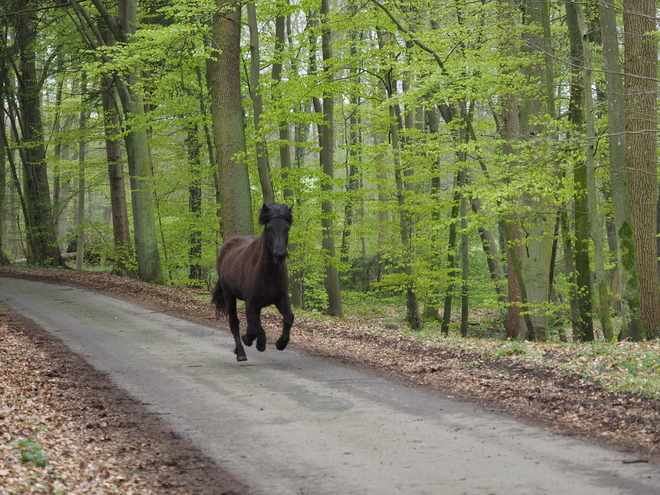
(275, 210)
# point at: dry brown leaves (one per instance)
(91, 437)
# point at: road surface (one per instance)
(288, 424)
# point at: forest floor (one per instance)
(64, 428)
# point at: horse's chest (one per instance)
(266, 296)
(268, 290)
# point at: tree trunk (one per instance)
(123, 256)
(596, 231)
(451, 256)
(39, 220)
(465, 267)
(326, 137)
(569, 268)
(255, 93)
(144, 222)
(196, 273)
(641, 84)
(585, 331)
(3, 175)
(225, 87)
(537, 255)
(80, 217)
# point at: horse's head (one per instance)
(276, 219)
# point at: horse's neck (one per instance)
(266, 265)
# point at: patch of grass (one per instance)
(511, 348)
(373, 304)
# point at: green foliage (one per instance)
(29, 452)
(443, 56)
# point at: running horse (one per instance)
(253, 269)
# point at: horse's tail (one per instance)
(219, 299)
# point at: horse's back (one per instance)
(233, 251)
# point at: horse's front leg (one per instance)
(284, 307)
(232, 316)
(254, 328)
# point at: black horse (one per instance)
(254, 270)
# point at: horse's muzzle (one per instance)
(279, 257)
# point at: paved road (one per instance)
(287, 424)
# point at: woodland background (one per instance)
(492, 154)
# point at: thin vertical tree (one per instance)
(327, 141)
(257, 105)
(585, 331)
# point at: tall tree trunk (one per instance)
(537, 255)
(451, 257)
(39, 220)
(585, 332)
(296, 277)
(326, 137)
(137, 150)
(596, 230)
(196, 273)
(631, 323)
(510, 131)
(82, 145)
(641, 85)
(569, 268)
(255, 93)
(225, 87)
(3, 176)
(123, 256)
(465, 267)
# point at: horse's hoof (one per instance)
(261, 347)
(280, 345)
(241, 358)
(247, 341)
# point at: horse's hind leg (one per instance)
(284, 307)
(232, 316)
(254, 329)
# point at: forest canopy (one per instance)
(456, 155)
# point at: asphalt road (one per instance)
(287, 424)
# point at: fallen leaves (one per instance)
(65, 429)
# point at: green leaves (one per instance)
(29, 452)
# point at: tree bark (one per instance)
(327, 138)
(255, 93)
(225, 87)
(196, 272)
(451, 257)
(144, 222)
(585, 331)
(39, 218)
(82, 148)
(465, 266)
(641, 69)
(537, 255)
(596, 224)
(123, 257)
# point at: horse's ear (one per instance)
(262, 215)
